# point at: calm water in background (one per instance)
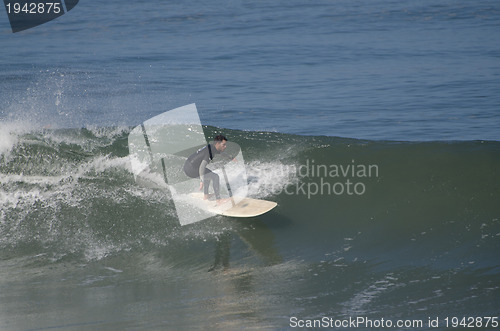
(395, 70)
(82, 246)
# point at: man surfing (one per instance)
(196, 167)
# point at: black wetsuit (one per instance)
(196, 167)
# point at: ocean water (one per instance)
(373, 124)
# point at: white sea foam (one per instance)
(269, 178)
(9, 135)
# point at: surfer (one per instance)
(196, 167)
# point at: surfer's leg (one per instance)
(206, 183)
(216, 186)
(210, 176)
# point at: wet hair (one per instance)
(219, 138)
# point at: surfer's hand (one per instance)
(201, 186)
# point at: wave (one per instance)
(70, 194)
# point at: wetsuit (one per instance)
(196, 167)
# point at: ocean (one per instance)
(373, 124)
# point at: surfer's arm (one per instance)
(227, 157)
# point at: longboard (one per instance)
(247, 207)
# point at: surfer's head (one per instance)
(220, 143)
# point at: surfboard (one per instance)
(247, 207)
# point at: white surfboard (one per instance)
(247, 207)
